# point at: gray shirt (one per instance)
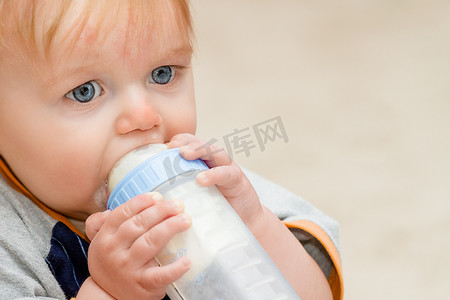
(26, 234)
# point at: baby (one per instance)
(82, 83)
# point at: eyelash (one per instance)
(81, 106)
(92, 86)
(86, 105)
(177, 69)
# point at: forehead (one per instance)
(39, 31)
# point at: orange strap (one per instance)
(335, 279)
(15, 183)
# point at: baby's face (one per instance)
(63, 127)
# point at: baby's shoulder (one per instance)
(21, 221)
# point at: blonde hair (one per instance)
(28, 27)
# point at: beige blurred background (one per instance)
(362, 88)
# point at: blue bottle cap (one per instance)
(151, 173)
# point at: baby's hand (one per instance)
(224, 173)
(125, 242)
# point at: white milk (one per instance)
(227, 261)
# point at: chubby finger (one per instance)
(191, 147)
(152, 242)
(223, 176)
(156, 277)
(180, 140)
(131, 208)
(94, 222)
(212, 155)
(136, 226)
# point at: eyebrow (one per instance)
(186, 51)
(176, 52)
(55, 77)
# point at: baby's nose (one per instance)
(137, 113)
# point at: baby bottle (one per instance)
(227, 262)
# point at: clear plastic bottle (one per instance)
(227, 262)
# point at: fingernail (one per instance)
(182, 150)
(178, 204)
(185, 218)
(202, 178)
(185, 261)
(157, 197)
(185, 149)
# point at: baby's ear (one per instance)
(94, 222)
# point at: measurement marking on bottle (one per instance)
(281, 297)
(233, 246)
(259, 283)
(249, 264)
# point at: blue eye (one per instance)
(162, 75)
(86, 92)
